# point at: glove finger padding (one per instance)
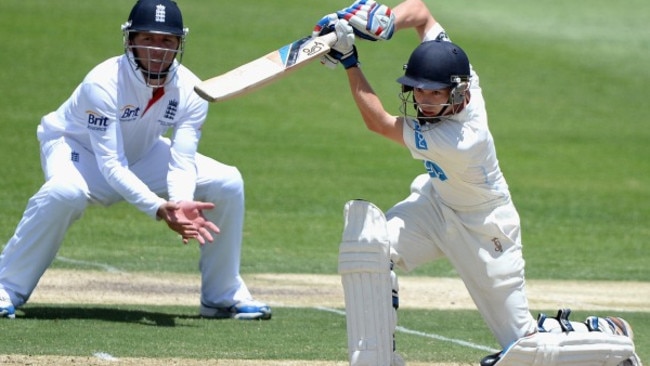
(344, 37)
(326, 25)
(370, 20)
(344, 50)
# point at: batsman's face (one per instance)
(156, 52)
(431, 102)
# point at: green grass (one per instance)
(295, 333)
(565, 84)
(172, 332)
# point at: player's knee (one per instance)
(232, 182)
(418, 184)
(225, 184)
(63, 195)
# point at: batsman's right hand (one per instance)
(187, 219)
(343, 50)
(326, 25)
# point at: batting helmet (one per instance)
(156, 16)
(435, 65)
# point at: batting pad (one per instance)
(364, 266)
(568, 349)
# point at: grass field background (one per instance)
(566, 87)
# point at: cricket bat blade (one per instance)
(257, 73)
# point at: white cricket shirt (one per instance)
(106, 114)
(459, 152)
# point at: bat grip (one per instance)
(329, 38)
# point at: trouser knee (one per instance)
(225, 185)
(61, 196)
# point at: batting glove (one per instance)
(369, 19)
(344, 50)
(326, 25)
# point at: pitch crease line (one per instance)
(423, 334)
(105, 267)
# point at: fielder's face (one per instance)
(431, 102)
(155, 52)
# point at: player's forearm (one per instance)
(133, 190)
(181, 178)
(413, 14)
(365, 98)
(372, 110)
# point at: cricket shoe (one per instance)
(243, 310)
(621, 327)
(7, 309)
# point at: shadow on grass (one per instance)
(150, 318)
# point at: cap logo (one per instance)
(160, 13)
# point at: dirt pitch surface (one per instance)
(295, 290)
(94, 361)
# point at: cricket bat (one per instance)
(257, 73)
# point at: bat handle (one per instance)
(329, 38)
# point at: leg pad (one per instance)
(364, 266)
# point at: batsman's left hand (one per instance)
(369, 19)
(187, 219)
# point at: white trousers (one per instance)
(71, 186)
(484, 246)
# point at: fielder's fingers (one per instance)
(185, 230)
(213, 227)
(205, 234)
(202, 222)
(200, 239)
(204, 205)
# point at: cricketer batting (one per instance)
(460, 208)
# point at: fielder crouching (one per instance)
(461, 208)
(129, 133)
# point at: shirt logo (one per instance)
(420, 141)
(172, 107)
(442, 36)
(129, 112)
(498, 247)
(167, 119)
(96, 121)
(160, 13)
(434, 170)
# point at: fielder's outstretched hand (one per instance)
(187, 219)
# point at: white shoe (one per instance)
(244, 310)
(7, 309)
